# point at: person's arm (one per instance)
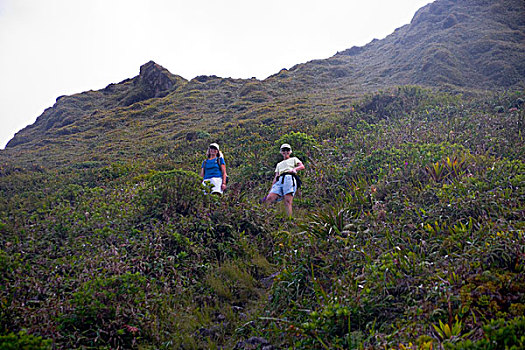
(275, 178)
(298, 167)
(224, 175)
(201, 173)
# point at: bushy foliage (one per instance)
(103, 311)
(22, 340)
(499, 334)
(303, 145)
(407, 233)
(173, 192)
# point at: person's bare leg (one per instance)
(288, 199)
(272, 197)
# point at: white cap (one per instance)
(285, 145)
(215, 145)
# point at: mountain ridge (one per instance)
(467, 44)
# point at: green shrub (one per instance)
(169, 193)
(303, 145)
(406, 162)
(499, 334)
(104, 311)
(328, 328)
(22, 340)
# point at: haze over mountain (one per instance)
(473, 44)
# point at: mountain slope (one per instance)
(154, 81)
(458, 45)
(407, 232)
(472, 44)
(408, 229)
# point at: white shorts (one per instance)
(216, 182)
(283, 187)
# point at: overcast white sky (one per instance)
(50, 48)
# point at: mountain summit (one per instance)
(152, 82)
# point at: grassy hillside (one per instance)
(408, 231)
(469, 43)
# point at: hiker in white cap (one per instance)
(213, 169)
(285, 181)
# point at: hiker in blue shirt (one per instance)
(213, 169)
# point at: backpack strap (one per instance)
(218, 164)
(295, 178)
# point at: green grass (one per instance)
(408, 229)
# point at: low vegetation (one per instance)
(408, 232)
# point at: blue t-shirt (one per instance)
(211, 168)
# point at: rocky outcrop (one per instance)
(254, 343)
(153, 81)
(156, 79)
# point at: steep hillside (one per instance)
(472, 43)
(407, 232)
(103, 126)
